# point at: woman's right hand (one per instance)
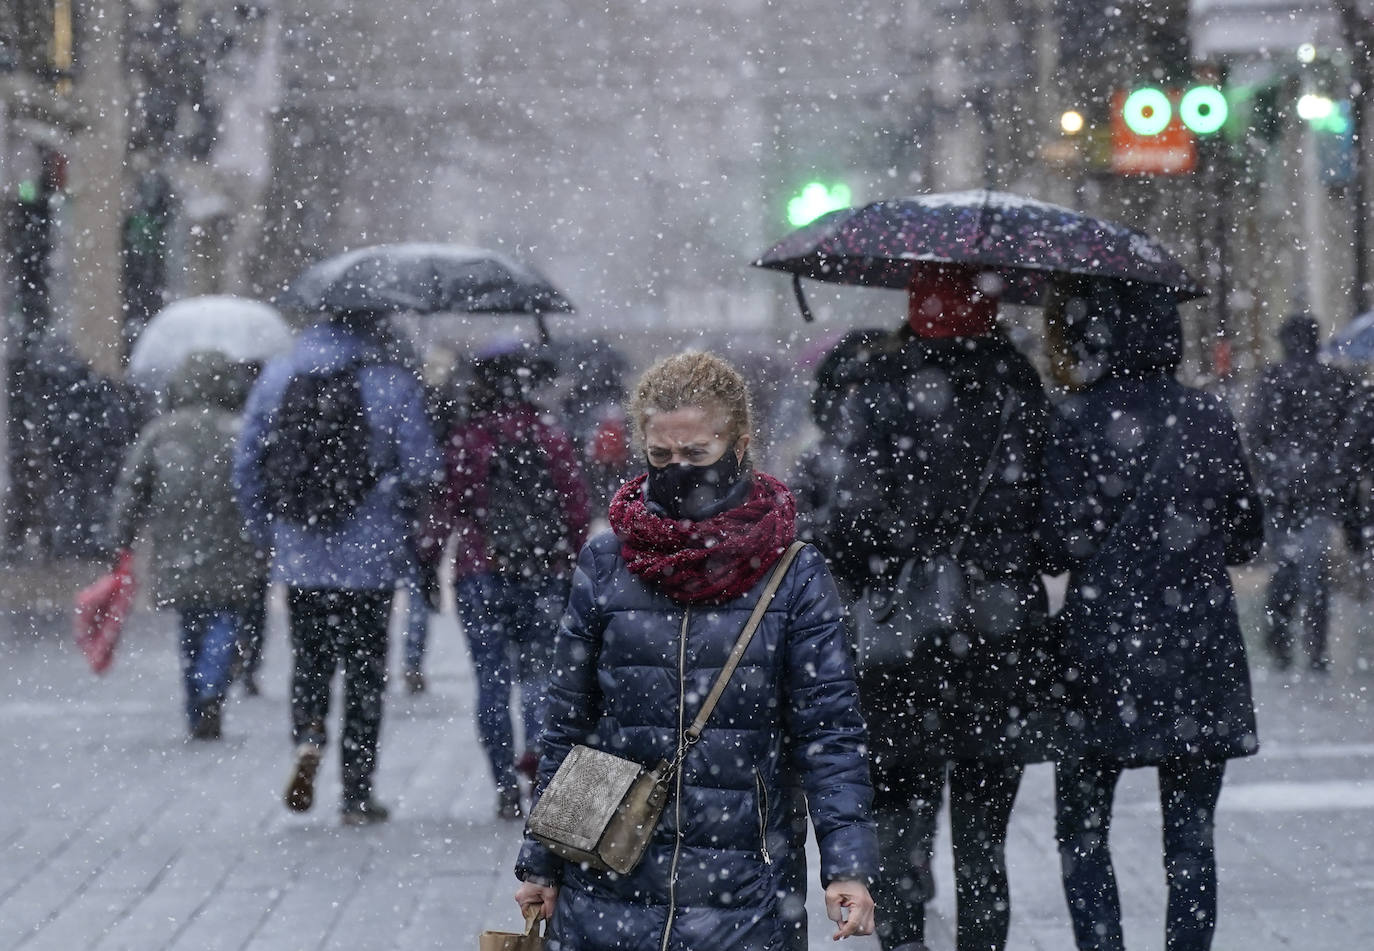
(531, 894)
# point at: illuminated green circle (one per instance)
(1204, 109)
(1147, 111)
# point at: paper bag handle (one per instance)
(533, 915)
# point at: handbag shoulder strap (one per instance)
(984, 480)
(742, 643)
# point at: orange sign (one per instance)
(1172, 151)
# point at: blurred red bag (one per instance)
(100, 611)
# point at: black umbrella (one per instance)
(885, 243)
(424, 279)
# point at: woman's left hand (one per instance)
(854, 897)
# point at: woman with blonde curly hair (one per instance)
(656, 607)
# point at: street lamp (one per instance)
(1071, 122)
(1314, 108)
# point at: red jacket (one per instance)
(463, 495)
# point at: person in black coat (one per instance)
(818, 479)
(935, 401)
(1295, 434)
(1148, 499)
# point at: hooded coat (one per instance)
(1299, 409)
(927, 418)
(376, 546)
(632, 668)
(1148, 499)
(176, 489)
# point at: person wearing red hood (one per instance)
(944, 467)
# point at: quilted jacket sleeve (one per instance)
(826, 732)
(574, 701)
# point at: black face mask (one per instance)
(687, 491)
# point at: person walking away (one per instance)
(253, 618)
(1148, 499)
(1300, 405)
(513, 495)
(415, 615)
(176, 490)
(657, 605)
(946, 457)
(335, 459)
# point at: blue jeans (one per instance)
(416, 626)
(510, 625)
(1188, 793)
(209, 640)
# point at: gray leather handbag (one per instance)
(600, 809)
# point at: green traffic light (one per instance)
(28, 191)
(1204, 109)
(1147, 111)
(815, 200)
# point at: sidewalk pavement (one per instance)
(118, 834)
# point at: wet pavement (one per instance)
(118, 834)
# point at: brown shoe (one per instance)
(300, 788)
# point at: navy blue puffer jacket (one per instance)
(631, 669)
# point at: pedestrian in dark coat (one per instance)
(945, 396)
(1299, 407)
(1148, 498)
(818, 482)
(656, 608)
(176, 489)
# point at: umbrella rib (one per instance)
(983, 218)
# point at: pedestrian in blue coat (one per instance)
(1148, 499)
(340, 573)
(656, 607)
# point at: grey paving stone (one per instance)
(119, 835)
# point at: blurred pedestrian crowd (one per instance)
(910, 654)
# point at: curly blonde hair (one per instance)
(692, 378)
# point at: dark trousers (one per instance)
(1299, 590)
(348, 629)
(792, 875)
(1188, 792)
(252, 629)
(907, 795)
(208, 636)
(510, 625)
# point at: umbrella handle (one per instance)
(801, 299)
(543, 327)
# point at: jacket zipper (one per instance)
(763, 816)
(681, 754)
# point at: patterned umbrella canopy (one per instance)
(885, 243)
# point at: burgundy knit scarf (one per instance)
(711, 561)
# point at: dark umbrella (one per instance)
(885, 243)
(423, 279)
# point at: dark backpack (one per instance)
(525, 523)
(317, 469)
